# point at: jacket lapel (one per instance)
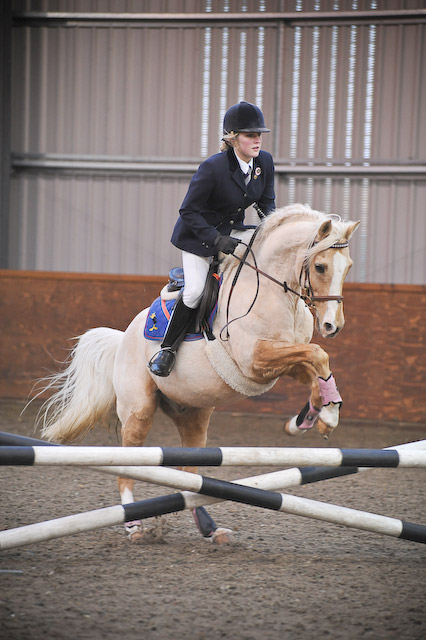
(237, 174)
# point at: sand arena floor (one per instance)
(285, 577)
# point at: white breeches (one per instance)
(195, 270)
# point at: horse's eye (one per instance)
(319, 268)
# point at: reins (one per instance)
(234, 281)
(309, 298)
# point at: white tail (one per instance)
(84, 390)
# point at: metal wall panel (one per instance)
(98, 91)
(113, 224)
(401, 98)
(393, 250)
(96, 224)
(110, 120)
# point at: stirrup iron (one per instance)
(162, 362)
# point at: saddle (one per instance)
(161, 309)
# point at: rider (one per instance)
(222, 188)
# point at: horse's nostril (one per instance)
(330, 330)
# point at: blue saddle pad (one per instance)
(158, 317)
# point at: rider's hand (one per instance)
(226, 244)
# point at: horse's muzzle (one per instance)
(328, 329)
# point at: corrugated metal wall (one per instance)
(110, 118)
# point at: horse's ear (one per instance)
(351, 228)
(324, 230)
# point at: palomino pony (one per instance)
(298, 258)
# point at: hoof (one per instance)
(137, 537)
(155, 533)
(222, 536)
(324, 429)
(134, 531)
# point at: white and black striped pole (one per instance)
(211, 457)
(109, 516)
(252, 491)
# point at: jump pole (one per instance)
(305, 507)
(274, 481)
(218, 456)
(189, 482)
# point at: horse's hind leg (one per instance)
(192, 425)
(136, 425)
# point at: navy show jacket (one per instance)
(217, 198)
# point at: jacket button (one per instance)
(245, 195)
(231, 222)
(239, 210)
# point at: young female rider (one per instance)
(219, 193)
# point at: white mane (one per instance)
(302, 239)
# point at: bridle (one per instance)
(306, 294)
(309, 297)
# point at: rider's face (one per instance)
(248, 145)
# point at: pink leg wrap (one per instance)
(310, 418)
(133, 523)
(329, 392)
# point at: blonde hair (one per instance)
(228, 140)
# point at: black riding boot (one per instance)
(162, 363)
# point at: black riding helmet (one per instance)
(244, 117)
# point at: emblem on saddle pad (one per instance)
(153, 318)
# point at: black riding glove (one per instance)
(226, 244)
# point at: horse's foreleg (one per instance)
(331, 400)
(192, 426)
(308, 416)
(309, 364)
